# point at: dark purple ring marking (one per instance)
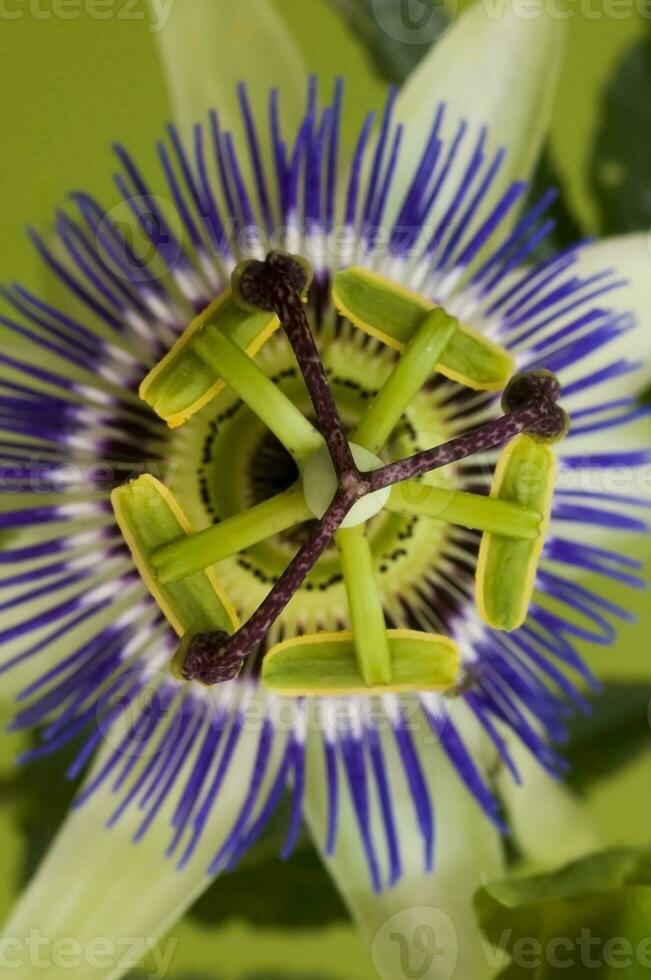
(277, 284)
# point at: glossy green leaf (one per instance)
(393, 315)
(506, 568)
(620, 163)
(326, 663)
(612, 737)
(307, 899)
(150, 518)
(587, 920)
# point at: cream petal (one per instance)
(494, 68)
(630, 258)
(550, 825)
(208, 46)
(426, 919)
(107, 900)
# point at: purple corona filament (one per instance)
(277, 284)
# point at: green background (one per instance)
(72, 87)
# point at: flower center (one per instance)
(320, 485)
(344, 481)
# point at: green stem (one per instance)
(421, 355)
(365, 605)
(263, 397)
(466, 509)
(198, 551)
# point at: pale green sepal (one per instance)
(393, 314)
(629, 257)
(399, 922)
(495, 68)
(107, 901)
(550, 824)
(208, 46)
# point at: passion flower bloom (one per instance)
(374, 679)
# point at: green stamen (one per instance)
(181, 383)
(365, 606)
(248, 380)
(149, 517)
(235, 534)
(422, 354)
(393, 314)
(470, 510)
(506, 569)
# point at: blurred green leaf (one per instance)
(396, 33)
(277, 975)
(621, 164)
(257, 975)
(274, 893)
(42, 795)
(590, 917)
(613, 736)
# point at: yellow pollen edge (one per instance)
(179, 418)
(427, 306)
(538, 545)
(150, 582)
(346, 636)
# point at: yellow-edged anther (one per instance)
(326, 664)
(182, 383)
(393, 314)
(506, 568)
(150, 517)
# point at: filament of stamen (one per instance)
(248, 380)
(407, 378)
(231, 536)
(470, 510)
(365, 606)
